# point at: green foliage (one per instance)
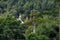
(43, 14)
(10, 29)
(33, 36)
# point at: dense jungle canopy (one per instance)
(29, 19)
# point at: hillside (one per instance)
(29, 19)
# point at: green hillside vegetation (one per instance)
(39, 19)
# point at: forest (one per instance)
(29, 19)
